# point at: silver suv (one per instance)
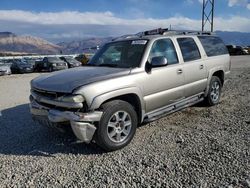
(131, 80)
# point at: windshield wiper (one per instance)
(107, 65)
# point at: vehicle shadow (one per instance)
(20, 135)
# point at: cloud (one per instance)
(244, 3)
(232, 3)
(57, 26)
(65, 17)
(193, 1)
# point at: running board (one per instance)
(173, 108)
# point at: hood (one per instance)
(67, 80)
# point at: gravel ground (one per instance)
(197, 147)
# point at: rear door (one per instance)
(194, 67)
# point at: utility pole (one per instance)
(208, 15)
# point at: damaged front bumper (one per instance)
(82, 124)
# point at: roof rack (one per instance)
(124, 37)
(165, 31)
(158, 31)
(187, 32)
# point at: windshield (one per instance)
(123, 54)
(54, 59)
(70, 59)
(22, 62)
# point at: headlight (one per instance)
(54, 64)
(72, 98)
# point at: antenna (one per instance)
(208, 15)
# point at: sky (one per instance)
(64, 20)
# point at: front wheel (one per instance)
(214, 92)
(117, 126)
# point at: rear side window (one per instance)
(189, 49)
(213, 46)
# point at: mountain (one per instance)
(236, 38)
(6, 34)
(9, 42)
(80, 46)
(12, 43)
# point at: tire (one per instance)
(114, 130)
(214, 93)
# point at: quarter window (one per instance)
(213, 46)
(189, 49)
(165, 48)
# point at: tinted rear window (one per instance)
(213, 46)
(189, 49)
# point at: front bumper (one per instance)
(82, 124)
(4, 72)
(74, 65)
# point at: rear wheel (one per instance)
(117, 125)
(214, 92)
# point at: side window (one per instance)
(213, 46)
(189, 49)
(164, 47)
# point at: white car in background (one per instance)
(4, 69)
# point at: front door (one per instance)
(163, 85)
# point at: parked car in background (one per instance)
(84, 58)
(21, 66)
(236, 50)
(50, 64)
(247, 49)
(31, 61)
(71, 62)
(4, 69)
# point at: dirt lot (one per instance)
(197, 147)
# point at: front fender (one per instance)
(99, 100)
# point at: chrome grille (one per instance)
(49, 94)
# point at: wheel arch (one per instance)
(219, 72)
(221, 75)
(131, 95)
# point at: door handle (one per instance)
(179, 71)
(201, 66)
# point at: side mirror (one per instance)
(159, 61)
